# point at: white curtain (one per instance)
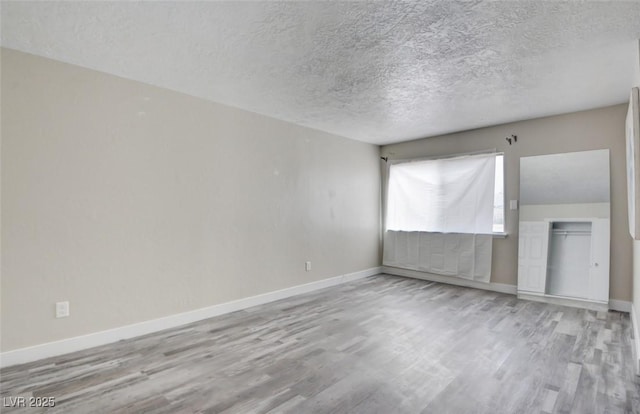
(440, 216)
(451, 254)
(452, 195)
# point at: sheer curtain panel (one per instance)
(440, 216)
(451, 195)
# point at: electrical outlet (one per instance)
(307, 266)
(62, 309)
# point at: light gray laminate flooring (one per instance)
(383, 344)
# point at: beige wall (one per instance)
(636, 72)
(135, 202)
(589, 130)
(636, 243)
(533, 212)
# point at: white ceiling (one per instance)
(378, 72)
(569, 178)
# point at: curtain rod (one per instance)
(441, 157)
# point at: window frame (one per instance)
(503, 233)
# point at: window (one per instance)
(463, 194)
(498, 196)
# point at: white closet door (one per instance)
(533, 246)
(599, 268)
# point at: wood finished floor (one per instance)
(383, 344)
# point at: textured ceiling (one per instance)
(379, 72)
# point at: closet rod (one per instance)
(571, 232)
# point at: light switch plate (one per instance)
(62, 309)
(513, 204)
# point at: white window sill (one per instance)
(500, 235)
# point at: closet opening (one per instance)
(569, 259)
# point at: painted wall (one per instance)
(534, 212)
(636, 243)
(581, 131)
(636, 72)
(135, 202)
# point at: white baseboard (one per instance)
(614, 304)
(565, 301)
(64, 346)
(494, 287)
(620, 305)
(636, 338)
